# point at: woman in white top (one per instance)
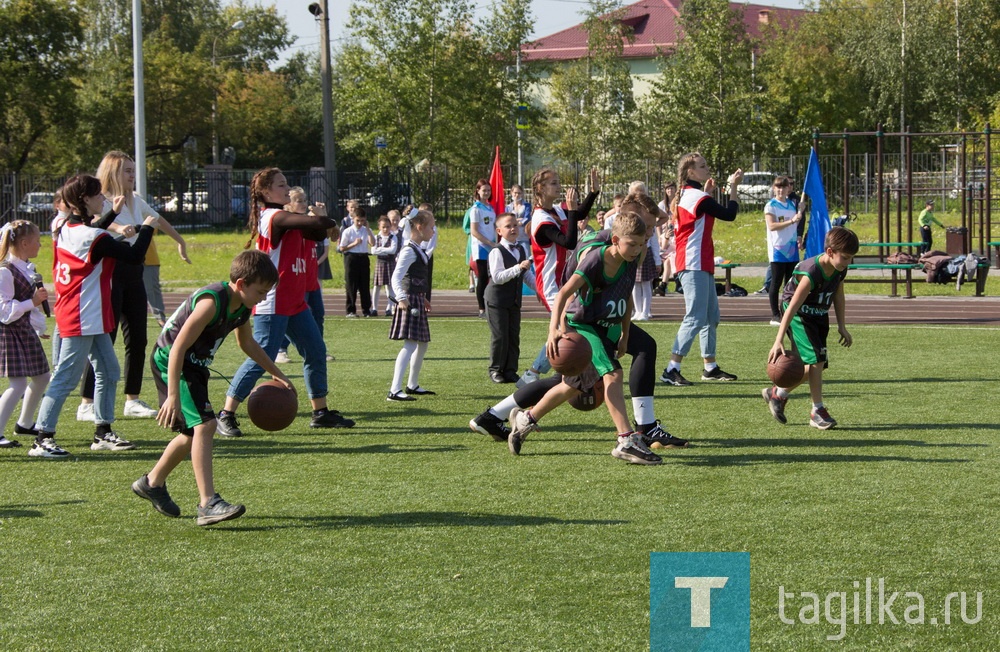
(128, 292)
(482, 224)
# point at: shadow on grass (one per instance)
(805, 442)
(259, 448)
(776, 458)
(19, 511)
(419, 519)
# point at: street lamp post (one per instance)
(215, 93)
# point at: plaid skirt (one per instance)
(383, 271)
(406, 326)
(646, 271)
(21, 353)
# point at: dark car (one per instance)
(396, 195)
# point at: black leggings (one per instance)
(641, 380)
(781, 273)
(128, 304)
(482, 278)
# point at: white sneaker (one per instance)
(138, 408)
(111, 442)
(526, 378)
(85, 412)
(47, 449)
(282, 358)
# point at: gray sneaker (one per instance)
(227, 425)
(632, 449)
(218, 510)
(520, 425)
(157, 495)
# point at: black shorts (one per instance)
(196, 409)
(809, 338)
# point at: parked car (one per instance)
(755, 187)
(36, 202)
(197, 203)
(241, 202)
(396, 195)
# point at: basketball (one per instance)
(786, 371)
(272, 406)
(590, 400)
(573, 354)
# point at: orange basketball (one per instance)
(573, 354)
(786, 371)
(591, 399)
(272, 406)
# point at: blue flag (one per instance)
(819, 216)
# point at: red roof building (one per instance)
(655, 26)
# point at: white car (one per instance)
(755, 187)
(36, 202)
(197, 204)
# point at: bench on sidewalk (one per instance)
(729, 273)
(887, 246)
(893, 278)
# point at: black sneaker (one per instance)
(157, 495)
(331, 419)
(717, 374)
(419, 391)
(21, 431)
(654, 436)
(631, 449)
(218, 510)
(674, 377)
(399, 396)
(487, 424)
(227, 425)
(775, 404)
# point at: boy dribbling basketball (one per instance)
(816, 284)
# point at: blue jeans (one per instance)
(314, 298)
(701, 313)
(541, 363)
(269, 331)
(73, 355)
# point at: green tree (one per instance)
(39, 55)
(707, 99)
(591, 111)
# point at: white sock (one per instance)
(403, 359)
(642, 408)
(32, 397)
(502, 409)
(9, 399)
(780, 393)
(375, 298)
(416, 362)
(817, 406)
(711, 365)
(674, 366)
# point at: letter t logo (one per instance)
(701, 596)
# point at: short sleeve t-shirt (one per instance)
(781, 243)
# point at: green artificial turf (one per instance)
(411, 532)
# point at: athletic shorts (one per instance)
(583, 382)
(809, 338)
(196, 409)
(603, 343)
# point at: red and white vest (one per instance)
(288, 296)
(83, 289)
(551, 260)
(694, 247)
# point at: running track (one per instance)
(861, 309)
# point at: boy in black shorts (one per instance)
(816, 284)
(180, 361)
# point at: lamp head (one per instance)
(238, 25)
(315, 9)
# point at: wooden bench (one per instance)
(729, 273)
(894, 276)
(887, 246)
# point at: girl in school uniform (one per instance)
(410, 285)
(22, 359)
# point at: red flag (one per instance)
(496, 185)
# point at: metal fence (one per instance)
(218, 196)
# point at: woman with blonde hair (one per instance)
(128, 289)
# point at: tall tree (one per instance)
(38, 58)
(707, 99)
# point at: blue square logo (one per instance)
(699, 601)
